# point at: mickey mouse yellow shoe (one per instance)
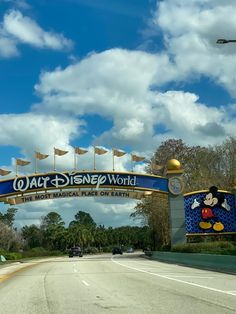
(205, 225)
(218, 226)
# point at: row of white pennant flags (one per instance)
(77, 151)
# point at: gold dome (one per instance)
(173, 164)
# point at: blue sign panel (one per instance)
(96, 180)
(210, 212)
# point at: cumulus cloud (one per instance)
(191, 30)
(19, 29)
(28, 31)
(113, 84)
(211, 128)
(109, 212)
(41, 133)
(122, 86)
(42, 130)
(7, 47)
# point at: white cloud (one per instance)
(118, 84)
(7, 47)
(186, 118)
(113, 84)
(28, 31)
(19, 29)
(110, 212)
(42, 133)
(191, 30)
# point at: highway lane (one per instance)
(119, 284)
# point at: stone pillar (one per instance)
(176, 202)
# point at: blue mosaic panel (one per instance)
(193, 216)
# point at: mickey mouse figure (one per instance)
(212, 200)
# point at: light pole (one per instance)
(225, 41)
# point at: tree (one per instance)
(32, 235)
(52, 218)
(203, 166)
(9, 238)
(80, 235)
(53, 231)
(84, 219)
(226, 163)
(169, 149)
(9, 217)
(154, 210)
(100, 237)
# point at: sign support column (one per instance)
(176, 202)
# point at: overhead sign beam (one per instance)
(79, 180)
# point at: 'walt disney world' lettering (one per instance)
(61, 180)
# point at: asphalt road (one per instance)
(119, 284)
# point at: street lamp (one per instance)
(225, 41)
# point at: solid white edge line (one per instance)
(173, 279)
(197, 277)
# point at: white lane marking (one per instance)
(85, 283)
(198, 277)
(74, 267)
(174, 279)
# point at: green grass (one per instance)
(35, 252)
(220, 247)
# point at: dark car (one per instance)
(116, 250)
(75, 251)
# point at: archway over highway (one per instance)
(80, 184)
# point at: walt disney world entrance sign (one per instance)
(196, 213)
(79, 184)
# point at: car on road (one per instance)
(117, 250)
(75, 251)
(130, 250)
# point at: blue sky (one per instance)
(114, 73)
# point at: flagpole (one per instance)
(74, 160)
(35, 162)
(54, 164)
(94, 165)
(113, 159)
(16, 167)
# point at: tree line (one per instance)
(52, 235)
